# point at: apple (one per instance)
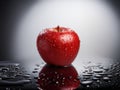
(58, 46)
(58, 78)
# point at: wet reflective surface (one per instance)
(14, 76)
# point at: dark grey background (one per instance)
(11, 12)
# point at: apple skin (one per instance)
(58, 46)
(58, 78)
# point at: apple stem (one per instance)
(58, 28)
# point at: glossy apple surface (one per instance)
(58, 78)
(58, 46)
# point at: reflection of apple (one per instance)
(58, 78)
(58, 46)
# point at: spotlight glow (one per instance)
(94, 21)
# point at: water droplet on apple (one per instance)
(70, 77)
(75, 80)
(65, 49)
(54, 40)
(53, 45)
(57, 76)
(61, 74)
(57, 82)
(79, 77)
(46, 38)
(63, 78)
(65, 55)
(55, 72)
(42, 74)
(47, 78)
(43, 79)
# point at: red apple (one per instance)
(58, 78)
(58, 46)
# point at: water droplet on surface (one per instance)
(98, 81)
(35, 72)
(98, 70)
(102, 74)
(101, 67)
(5, 69)
(4, 76)
(7, 89)
(110, 76)
(86, 77)
(87, 74)
(88, 86)
(90, 73)
(89, 82)
(26, 76)
(106, 68)
(17, 65)
(98, 76)
(95, 78)
(106, 78)
(17, 68)
(85, 71)
(89, 62)
(36, 68)
(117, 74)
(37, 65)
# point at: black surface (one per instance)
(13, 76)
